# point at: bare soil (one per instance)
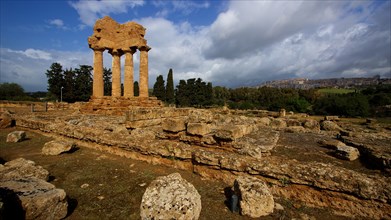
(100, 185)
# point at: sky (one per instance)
(229, 43)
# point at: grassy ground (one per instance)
(113, 186)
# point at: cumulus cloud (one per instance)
(28, 67)
(57, 22)
(90, 10)
(184, 7)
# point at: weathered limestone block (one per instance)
(174, 124)
(16, 136)
(293, 122)
(332, 144)
(295, 129)
(265, 121)
(331, 118)
(347, 153)
(278, 123)
(257, 143)
(170, 197)
(330, 126)
(57, 147)
(22, 167)
(27, 182)
(200, 129)
(5, 120)
(311, 124)
(232, 132)
(255, 197)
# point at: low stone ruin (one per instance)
(222, 144)
(25, 192)
(170, 197)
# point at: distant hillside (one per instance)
(301, 83)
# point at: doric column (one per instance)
(144, 71)
(129, 71)
(97, 84)
(116, 74)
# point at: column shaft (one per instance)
(116, 75)
(143, 72)
(97, 85)
(128, 81)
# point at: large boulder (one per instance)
(57, 147)
(16, 136)
(170, 197)
(22, 181)
(5, 120)
(255, 198)
(332, 144)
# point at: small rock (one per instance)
(142, 184)
(100, 197)
(57, 147)
(85, 185)
(278, 206)
(16, 136)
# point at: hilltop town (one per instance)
(304, 83)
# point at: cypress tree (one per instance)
(170, 94)
(136, 89)
(158, 88)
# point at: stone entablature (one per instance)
(119, 39)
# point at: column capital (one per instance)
(131, 50)
(116, 52)
(144, 48)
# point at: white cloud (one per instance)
(90, 10)
(33, 53)
(184, 7)
(57, 22)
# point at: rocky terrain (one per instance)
(339, 165)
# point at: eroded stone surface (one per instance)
(347, 153)
(255, 197)
(170, 197)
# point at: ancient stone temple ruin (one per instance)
(119, 39)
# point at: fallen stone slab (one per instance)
(23, 187)
(16, 136)
(255, 198)
(57, 147)
(170, 197)
(347, 153)
(5, 120)
(22, 168)
(330, 126)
